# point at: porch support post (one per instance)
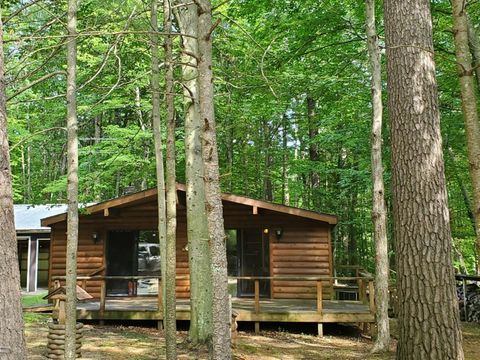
(103, 295)
(319, 306)
(32, 266)
(160, 305)
(257, 304)
(371, 293)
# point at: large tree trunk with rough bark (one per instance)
(197, 229)
(157, 136)
(12, 342)
(379, 212)
(469, 108)
(221, 311)
(72, 186)
(170, 298)
(428, 309)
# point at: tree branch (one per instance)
(18, 11)
(43, 78)
(95, 33)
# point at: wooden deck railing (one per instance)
(364, 283)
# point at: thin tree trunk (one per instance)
(72, 186)
(96, 140)
(199, 258)
(314, 155)
(97, 131)
(463, 189)
(474, 44)
(378, 209)
(29, 173)
(469, 107)
(221, 305)
(155, 84)
(170, 298)
(146, 147)
(429, 326)
(285, 190)
(267, 173)
(12, 342)
(138, 108)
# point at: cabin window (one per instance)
(232, 260)
(133, 253)
(232, 253)
(148, 262)
(23, 260)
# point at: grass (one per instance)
(32, 300)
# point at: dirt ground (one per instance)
(141, 343)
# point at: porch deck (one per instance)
(270, 310)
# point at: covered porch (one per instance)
(254, 309)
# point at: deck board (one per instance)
(278, 310)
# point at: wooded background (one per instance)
(293, 108)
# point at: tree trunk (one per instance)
(463, 189)
(378, 208)
(97, 128)
(313, 152)
(157, 136)
(285, 192)
(221, 305)
(146, 147)
(474, 44)
(72, 186)
(267, 173)
(428, 311)
(12, 342)
(170, 298)
(197, 228)
(469, 108)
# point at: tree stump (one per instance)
(56, 340)
(234, 327)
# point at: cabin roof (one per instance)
(28, 217)
(151, 194)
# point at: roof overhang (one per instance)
(146, 195)
(33, 231)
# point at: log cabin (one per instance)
(274, 252)
(119, 238)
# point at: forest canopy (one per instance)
(293, 108)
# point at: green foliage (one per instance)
(269, 58)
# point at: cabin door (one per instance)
(253, 253)
(121, 260)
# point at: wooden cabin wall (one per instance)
(303, 250)
(300, 252)
(90, 256)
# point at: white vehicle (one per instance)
(148, 257)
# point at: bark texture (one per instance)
(221, 305)
(469, 108)
(170, 298)
(155, 84)
(379, 211)
(474, 44)
(428, 308)
(12, 342)
(72, 185)
(201, 327)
